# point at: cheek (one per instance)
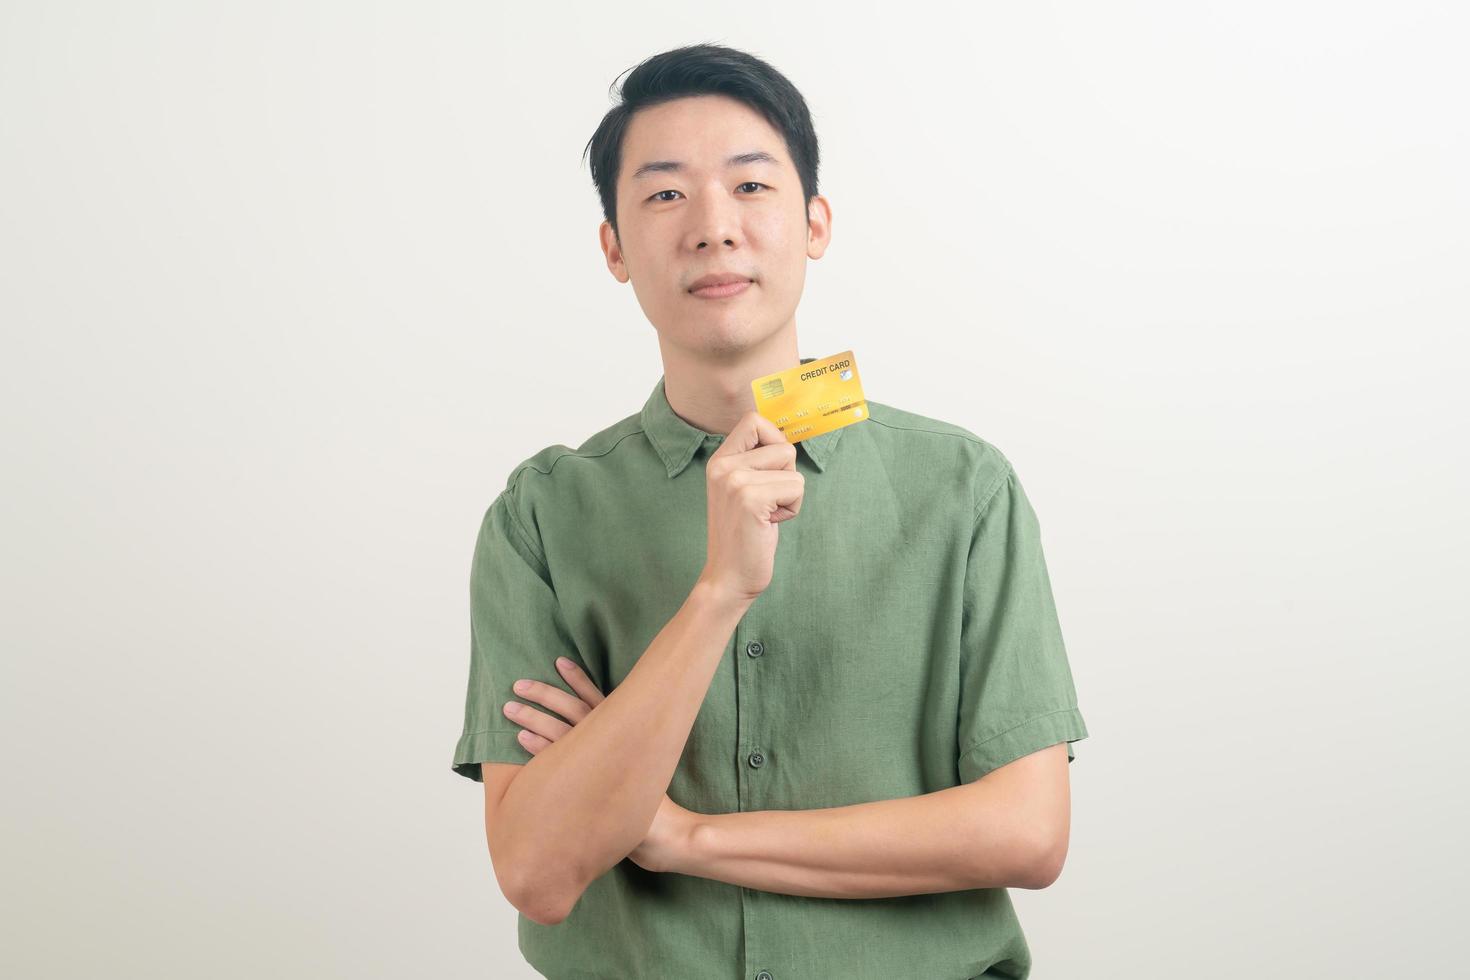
(782, 242)
(775, 231)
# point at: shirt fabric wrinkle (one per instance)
(908, 642)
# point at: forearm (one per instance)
(585, 802)
(957, 838)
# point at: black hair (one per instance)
(703, 69)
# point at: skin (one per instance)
(669, 835)
(674, 227)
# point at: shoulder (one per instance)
(932, 445)
(553, 473)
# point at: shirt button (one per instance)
(757, 760)
(754, 648)
(763, 975)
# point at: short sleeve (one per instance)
(516, 630)
(1016, 689)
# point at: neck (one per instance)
(711, 390)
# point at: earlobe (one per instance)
(619, 268)
(616, 267)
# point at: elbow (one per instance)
(545, 910)
(545, 900)
(544, 896)
(1045, 858)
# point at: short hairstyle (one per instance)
(703, 69)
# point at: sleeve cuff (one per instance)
(477, 747)
(989, 754)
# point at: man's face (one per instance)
(709, 215)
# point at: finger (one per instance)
(776, 456)
(534, 743)
(753, 430)
(537, 721)
(767, 477)
(579, 681)
(782, 490)
(795, 495)
(569, 707)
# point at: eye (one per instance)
(659, 197)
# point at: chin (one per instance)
(735, 338)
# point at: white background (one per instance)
(287, 289)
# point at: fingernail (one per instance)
(563, 662)
(522, 687)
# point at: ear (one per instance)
(612, 250)
(818, 226)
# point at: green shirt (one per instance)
(908, 642)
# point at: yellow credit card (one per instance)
(816, 397)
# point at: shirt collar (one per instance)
(676, 441)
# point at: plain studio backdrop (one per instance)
(289, 288)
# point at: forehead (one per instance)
(701, 132)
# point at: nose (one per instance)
(715, 221)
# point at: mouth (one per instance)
(721, 290)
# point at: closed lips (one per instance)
(717, 280)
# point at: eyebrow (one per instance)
(674, 166)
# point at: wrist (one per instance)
(693, 843)
(719, 600)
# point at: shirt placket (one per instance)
(756, 758)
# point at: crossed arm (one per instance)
(1007, 829)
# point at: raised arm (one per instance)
(580, 805)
